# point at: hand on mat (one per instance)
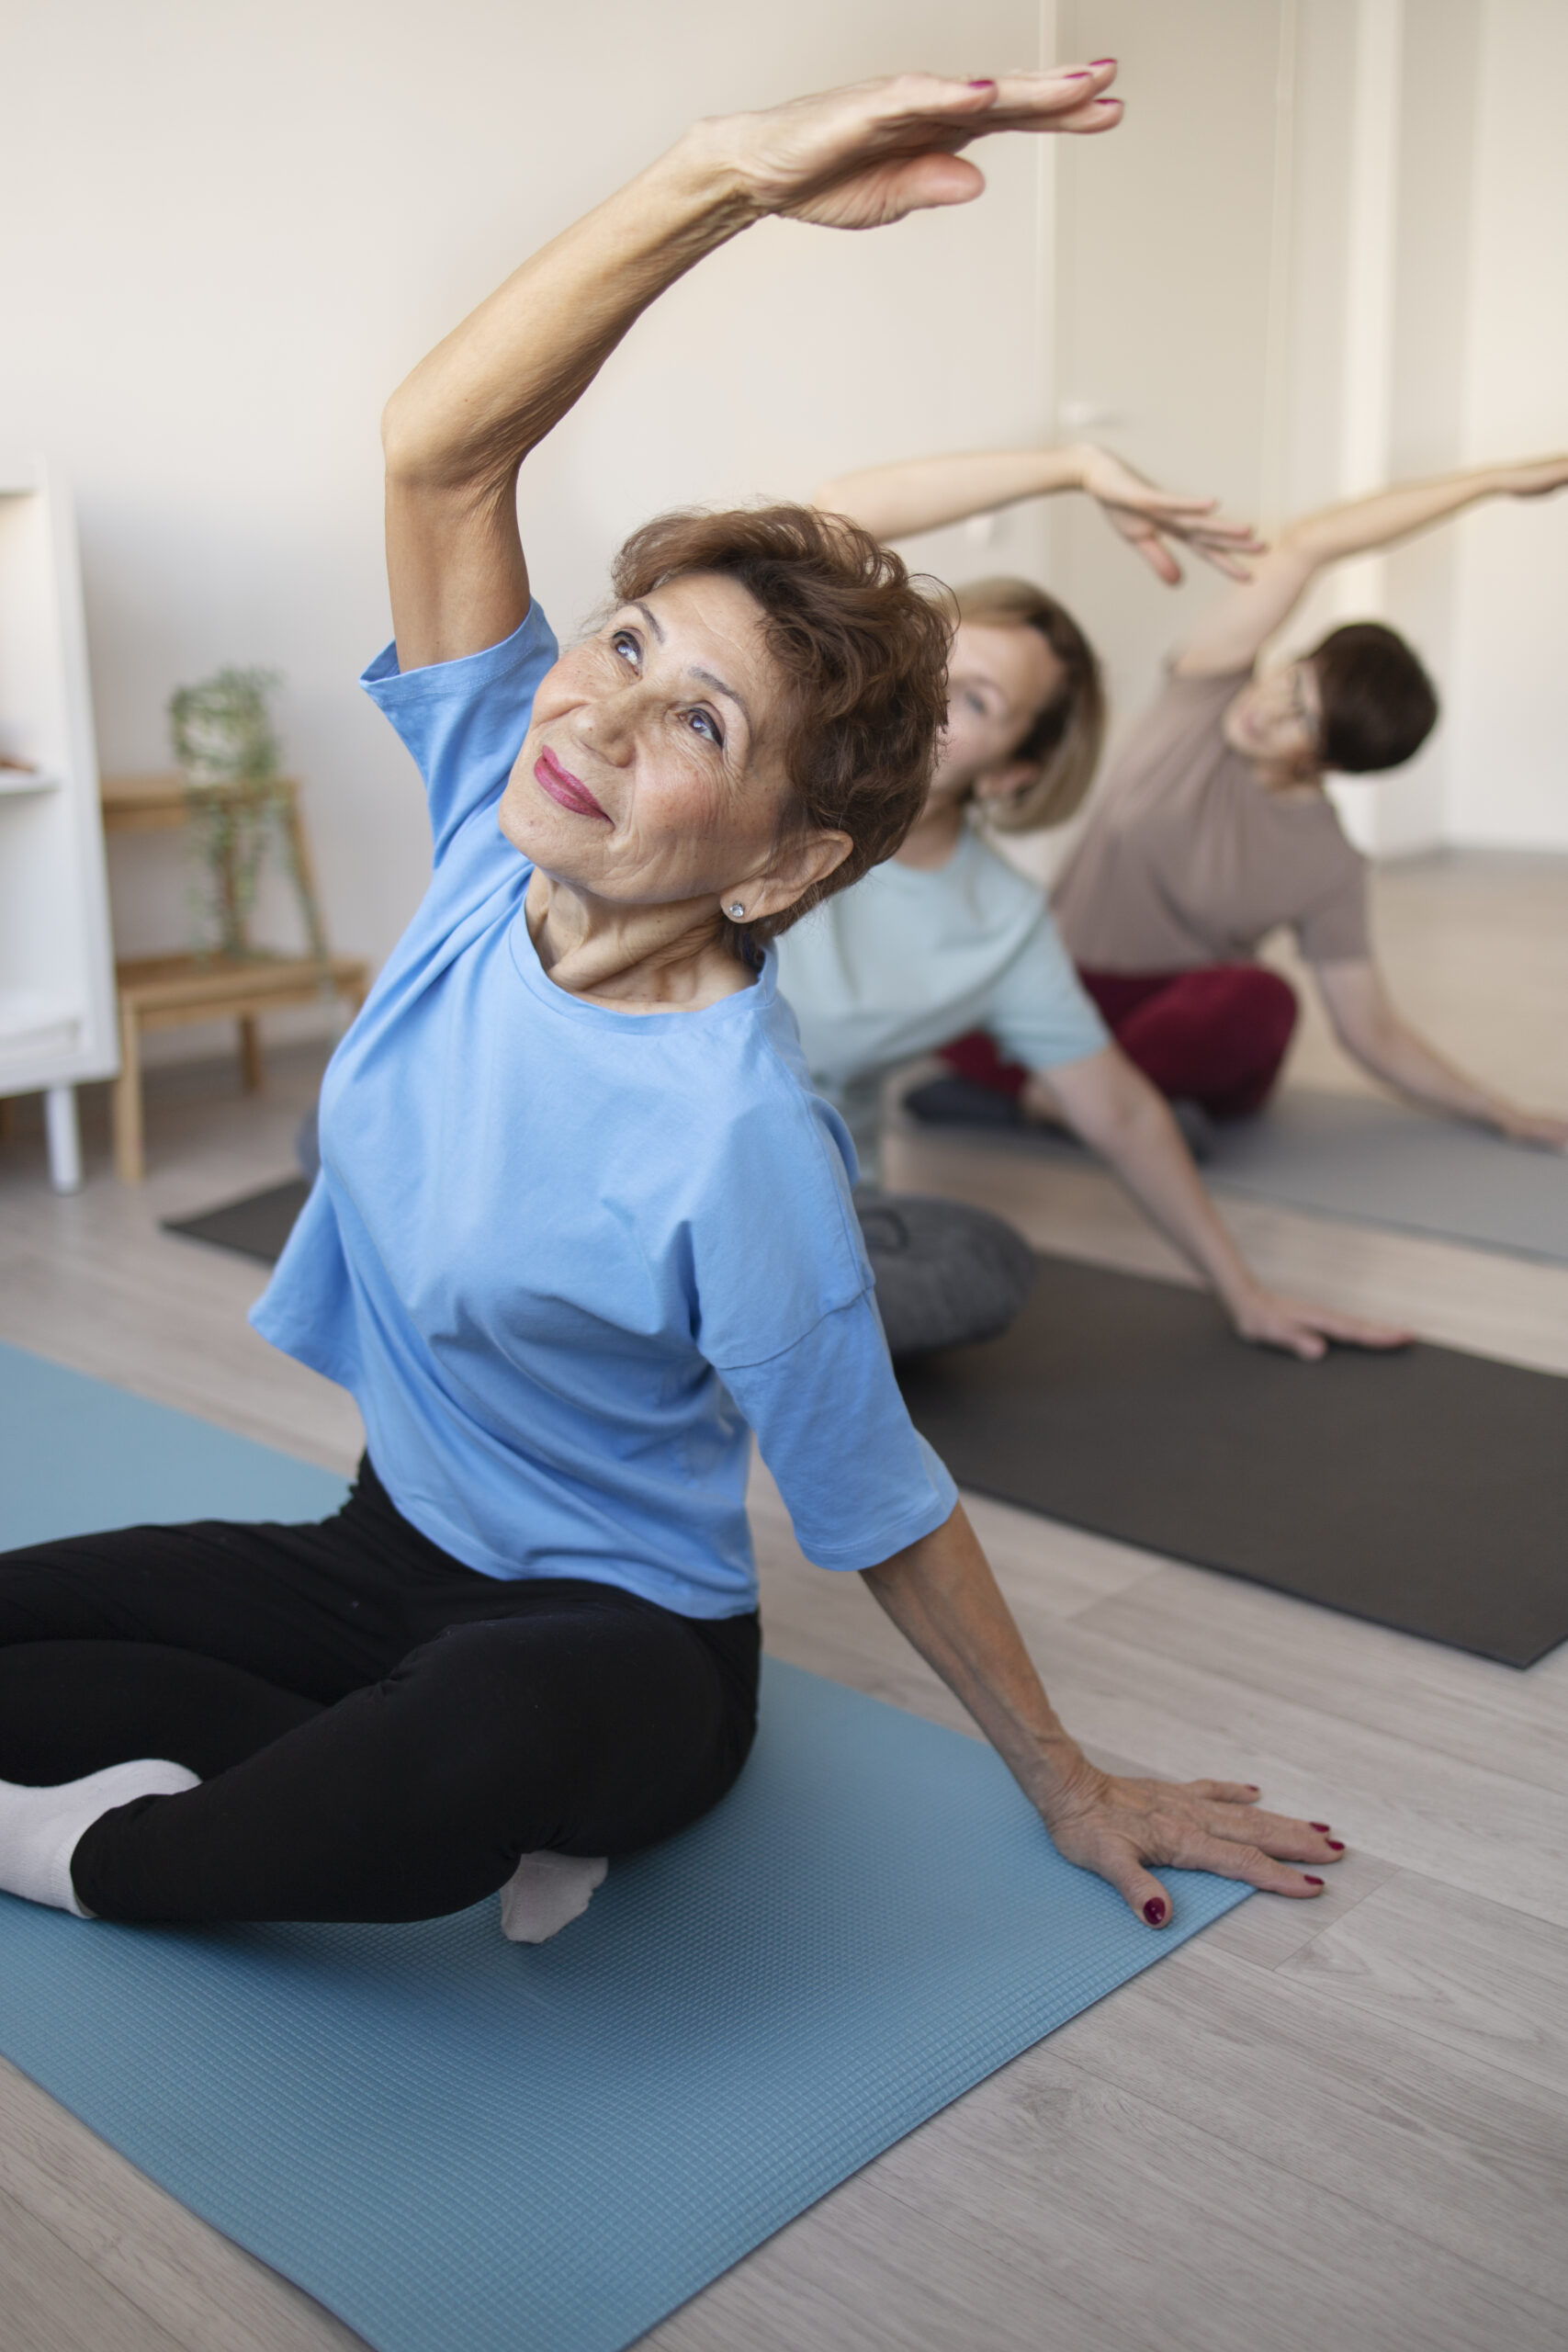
(1147, 518)
(1270, 1319)
(860, 157)
(1538, 1127)
(1118, 1828)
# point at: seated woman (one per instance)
(580, 1220)
(947, 938)
(1211, 829)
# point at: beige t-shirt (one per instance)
(1189, 859)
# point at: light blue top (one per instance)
(561, 1256)
(912, 957)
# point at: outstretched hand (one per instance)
(1271, 1319)
(1119, 1828)
(868, 154)
(1538, 479)
(1149, 519)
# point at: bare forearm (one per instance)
(945, 1600)
(894, 501)
(472, 409)
(1361, 524)
(1121, 1115)
(1402, 1057)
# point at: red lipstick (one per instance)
(565, 788)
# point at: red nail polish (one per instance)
(1310, 1880)
(1338, 1844)
(1154, 1912)
(1324, 1825)
(981, 84)
(1082, 76)
(1099, 61)
(1252, 1788)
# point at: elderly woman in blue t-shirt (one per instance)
(580, 1223)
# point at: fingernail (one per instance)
(1082, 75)
(981, 84)
(1319, 1825)
(1252, 1788)
(1099, 61)
(1338, 1844)
(1154, 1912)
(1310, 1880)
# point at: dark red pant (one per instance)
(1215, 1036)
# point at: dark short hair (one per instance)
(1379, 705)
(1064, 738)
(864, 655)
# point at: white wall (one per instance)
(226, 232)
(1509, 680)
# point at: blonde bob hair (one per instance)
(1065, 740)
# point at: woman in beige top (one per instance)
(1212, 828)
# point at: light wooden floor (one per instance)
(1325, 2126)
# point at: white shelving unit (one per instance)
(57, 995)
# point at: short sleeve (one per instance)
(1336, 928)
(464, 721)
(1039, 1013)
(858, 1481)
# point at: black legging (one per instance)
(380, 1731)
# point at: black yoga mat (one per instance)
(1426, 1490)
(257, 1226)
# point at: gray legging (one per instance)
(945, 1273)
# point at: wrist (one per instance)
(702, 175)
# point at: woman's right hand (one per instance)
(865, 155)
(1118, 1829)
(1148, 518)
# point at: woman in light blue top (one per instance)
(947, 938)
(581, 1225)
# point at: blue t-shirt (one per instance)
(562, 1256)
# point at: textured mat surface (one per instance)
(76, 1454)
(450, 2140)
(1426, 1490)
(1378, 1163)
(258, 1227)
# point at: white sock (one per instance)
(41, 1828)
(546, 1893)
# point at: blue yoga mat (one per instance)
(450, 2140)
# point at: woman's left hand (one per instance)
(1270, 1319)
(1118, 1829)
(1148, 519)
(1542, 1128)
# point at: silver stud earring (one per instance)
(735, 910)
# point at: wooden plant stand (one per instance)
(171, 992)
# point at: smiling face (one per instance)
(1000, 680)
(1276, 722)
(653, 772)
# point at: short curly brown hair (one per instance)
(864, 655)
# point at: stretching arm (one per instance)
(1112, 1106)
(922, 493)
(1241, 625)
(943, 1598)
(458, 430)
(1370, 1027)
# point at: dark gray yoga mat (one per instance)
(258, 1227)
(1378, 1163)
(1426, 1490)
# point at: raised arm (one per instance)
(1238, 629)
(922, 493)
(458, 430)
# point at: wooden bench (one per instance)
(173, 991)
